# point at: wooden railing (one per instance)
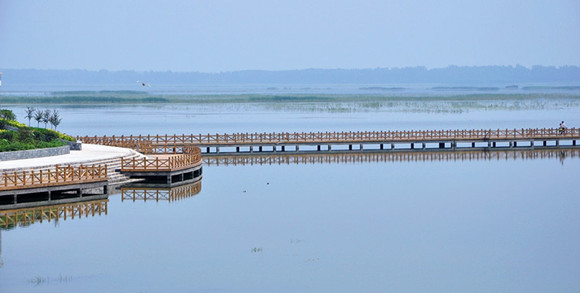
(328, 137)
(178, 158)
(59, 176)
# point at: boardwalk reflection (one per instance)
(364, 157)
(23, 217)
(156, 192)
(95, 206)
(10, 218)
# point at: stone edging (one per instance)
(37, 153)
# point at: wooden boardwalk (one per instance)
(29, 187)
(170, 163)
(59, 176)
(248, 143)
(164, 159)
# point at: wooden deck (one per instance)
(330, 137)
(30, 187)
(169, 163)
(248, 143)
(164, 159)
(59, 176)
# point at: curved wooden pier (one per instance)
(172, 164)
(27, 187)
(249, 143)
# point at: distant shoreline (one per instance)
(136, 97)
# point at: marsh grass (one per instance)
(330, 103)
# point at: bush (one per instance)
(8, 135)
(26, 138)
(7, 114)
(45, 135)
(25, 135)
(16, 146)
(6, 146)
(6, 122)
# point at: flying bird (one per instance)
(143, 83)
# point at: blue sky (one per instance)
(217, 36)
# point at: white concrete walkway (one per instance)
(88, 154)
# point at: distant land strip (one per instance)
(137, 97)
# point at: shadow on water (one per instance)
(371, 157)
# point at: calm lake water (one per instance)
(487, 225)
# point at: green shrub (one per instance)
(26, 138)
(7, 114)
(25, 135)
(16, 146)
(8, 135)
(7, 122)
(45, 135)
(6, 146)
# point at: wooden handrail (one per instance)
(149, 142)
(59, 176)
(181, 158)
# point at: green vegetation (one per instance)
(137, 97)
(15, 136)
(388, 101)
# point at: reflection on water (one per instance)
(353, 157)
(23, 217)
(96, 206)
(468, 221)
(156, 192)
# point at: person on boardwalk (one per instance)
(563, 127)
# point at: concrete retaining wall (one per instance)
(38, 153)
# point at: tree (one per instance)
(46, 117)
(29, 114)
(55, 119)
(7, 114)
(38, 114)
